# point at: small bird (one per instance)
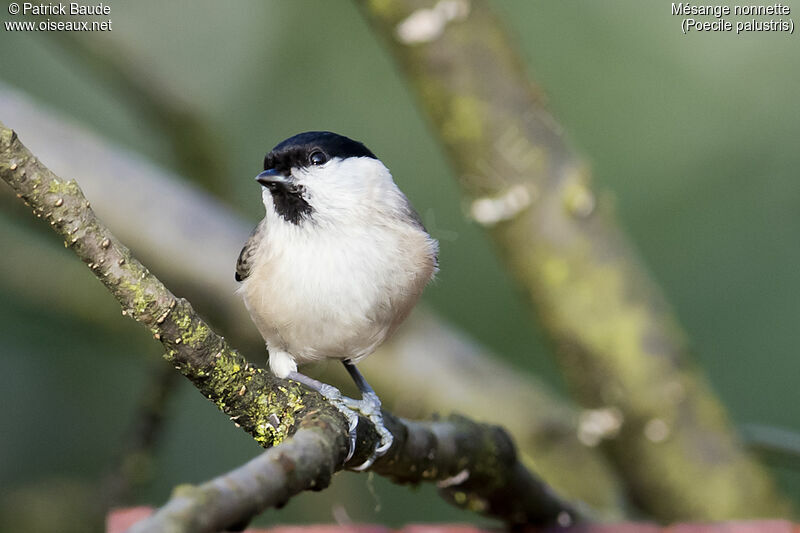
(335, 266)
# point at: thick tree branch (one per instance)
(269, 480)
(156, 214)
(620, 346)
(481, 457)
(306, 462)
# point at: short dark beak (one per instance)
(272, 179)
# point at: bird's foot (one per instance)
(370, 407)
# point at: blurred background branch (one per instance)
(196, 149)
(618, 343)
(135, 465)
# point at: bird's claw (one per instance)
(384, 446)
(352, 422)
(368, 406)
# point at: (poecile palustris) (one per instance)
(336, 264)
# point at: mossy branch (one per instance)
(620, 346)
(477, 462)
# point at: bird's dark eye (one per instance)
(317, 158)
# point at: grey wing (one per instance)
(413, 215)
(246, 257)
(417, 221)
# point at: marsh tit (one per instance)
(337, 263)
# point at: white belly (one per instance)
(335, 294)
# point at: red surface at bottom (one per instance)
(120, 520)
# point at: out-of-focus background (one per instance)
(694, 136)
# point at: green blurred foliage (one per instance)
(694, 137)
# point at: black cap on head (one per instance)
(313, 148)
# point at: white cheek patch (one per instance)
(349, 184)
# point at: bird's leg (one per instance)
(334, 396)
(370, 407)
